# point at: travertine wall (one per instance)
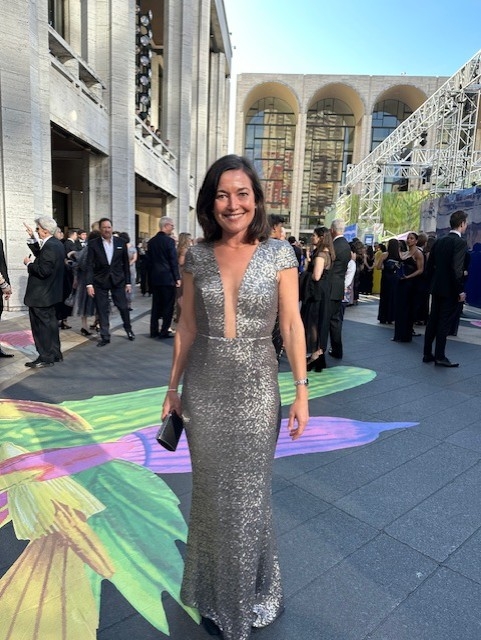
(83, 84)
(24, 130)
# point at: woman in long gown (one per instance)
(412, 267)
(315, 306)
(84, 305)
(390, 262)
(377, 273)
(234, 283)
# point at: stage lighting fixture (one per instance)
(143, 50)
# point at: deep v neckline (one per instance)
(241, 284)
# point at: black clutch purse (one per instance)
(170, 431)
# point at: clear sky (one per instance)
(374, 37)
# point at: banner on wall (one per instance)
(436, 213)
(350, 232)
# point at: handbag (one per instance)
(70, 301)
(170, 431)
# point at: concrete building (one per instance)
(108, 109)
(302, 132)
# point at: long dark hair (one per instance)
(258, 228)
(319, 232)
(393, 249)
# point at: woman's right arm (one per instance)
(184, 337)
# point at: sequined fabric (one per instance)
(230, 404)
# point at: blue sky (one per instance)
(374, 37)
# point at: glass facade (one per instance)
(329, 145)
(269, 143)
(387, 115)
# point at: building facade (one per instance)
(108, 109)
(302, 132)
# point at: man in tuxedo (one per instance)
(5, 290)
(109, 270)
(163, 277)
(44, 291)
(445, 273)
(338, 274)
(297, 250)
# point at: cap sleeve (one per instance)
(286, 257)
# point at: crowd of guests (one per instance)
(397, 271)
(405, 285)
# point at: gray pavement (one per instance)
(377, 542)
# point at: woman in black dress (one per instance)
(315, 307)
(412, 267)
(366, 279)
(390, 262)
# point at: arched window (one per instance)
(329, 145)
(269, 144)
(387, 115)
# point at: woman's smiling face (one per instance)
(234, 204)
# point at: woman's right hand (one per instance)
(172, 402)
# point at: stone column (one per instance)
(121, 84)
(297, 177)
(200, 92)
(177, 100)
(218, 108)
(25, 166)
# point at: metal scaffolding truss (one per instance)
(433, 149)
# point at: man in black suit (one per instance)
(109, 270)
(297, 250)
(445, 273)
(338, 274)
(44, 291)
(5, 290)
(164, 277)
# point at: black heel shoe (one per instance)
(211, 627)
(85, 333)
(313, 364)
(320, 363)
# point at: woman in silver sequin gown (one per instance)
(234, 283)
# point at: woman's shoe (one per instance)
(85, 333)
(64, 325)
(320, 363)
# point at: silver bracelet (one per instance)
(302, 381)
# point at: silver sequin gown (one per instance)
(230, 403)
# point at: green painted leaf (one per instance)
(139, 529)
(111, 417)
(330, 381)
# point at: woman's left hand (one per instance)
(299, 413)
